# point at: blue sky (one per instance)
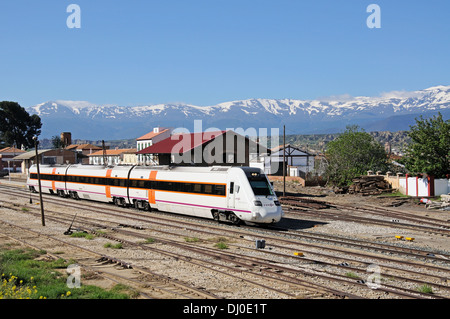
(204, 52)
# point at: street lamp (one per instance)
(36, 142)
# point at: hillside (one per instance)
(393, 111)
(314, 143)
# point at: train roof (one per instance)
(198, 169)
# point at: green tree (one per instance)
(17, 126)
(352, 154)
(57, 142)
(429, 150)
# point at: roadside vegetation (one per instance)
(24, 276)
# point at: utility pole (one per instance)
(36, 142)
(105, 159)
(284, 160)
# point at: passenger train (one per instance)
(235, 194)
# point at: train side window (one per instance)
(219, 189)
(231, 187)
(197, 188)
(208, 189)
(237, 189)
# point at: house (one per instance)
(47, 156)
(113, 157)
(83, 150)
(6, 158)
(204, 148)
(298, 162)
(158, 134)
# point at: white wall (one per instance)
(419, 186)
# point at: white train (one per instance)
(223, 193)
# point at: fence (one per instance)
(420, 186)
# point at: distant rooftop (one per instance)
(83, 147)
(187, 142)
(114, 152)
(11, 150)
(152, 134)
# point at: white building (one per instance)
(113, 157)
(158, 134)
(298, 162)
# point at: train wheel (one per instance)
(118, 201)
(147, 206)
(216, 215)
(234, 219)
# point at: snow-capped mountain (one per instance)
(389, 111)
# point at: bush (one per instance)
(352, 154)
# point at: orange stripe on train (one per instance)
(108, 188)
(53, 182)
(151, 193)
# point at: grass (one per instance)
(22, 276)
(425, 289)
(352, 275)
(191, 239)
(221, 243)
(394, 194)
(113, 246)
(81, 234)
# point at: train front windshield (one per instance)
(261, 187)
(259, 183)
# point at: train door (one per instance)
(231, 195)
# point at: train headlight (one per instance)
(277, 203)
(257, 203)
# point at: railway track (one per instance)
(282, 265)
(146, 283)
(373, 215)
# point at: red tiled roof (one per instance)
(150, 135)
(114, 152)
(180, 143)
(11, 150)
(83, 147)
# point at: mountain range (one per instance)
(391, 111)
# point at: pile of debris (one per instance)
(367, 185)
(443, 204)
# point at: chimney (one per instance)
(66, 138)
